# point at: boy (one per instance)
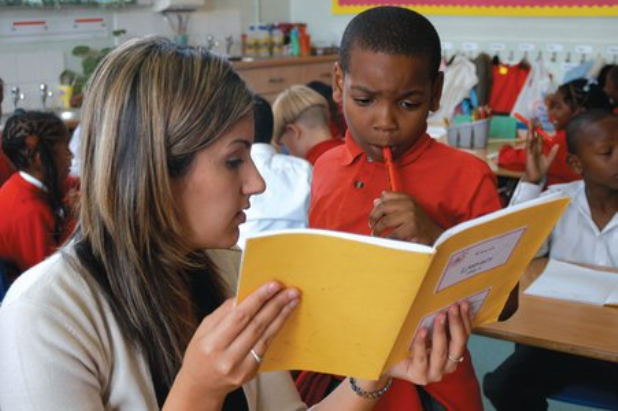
(387, 80)
(6, 169)
(285, 202)
(301, 123)
(587, 233)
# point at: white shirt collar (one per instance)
(32, 180)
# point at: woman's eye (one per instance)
(234, 163)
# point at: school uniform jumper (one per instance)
(452, 186)
(26, 224)
(322, 147)
(559, 172)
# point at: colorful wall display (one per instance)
(508, 8)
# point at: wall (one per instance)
(32, 59)
(601, 34)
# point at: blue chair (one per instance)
(589, 395)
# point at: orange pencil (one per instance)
(539, 130)
(393, 175)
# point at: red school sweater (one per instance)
(26, 224)
(452, 186)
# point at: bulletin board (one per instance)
(507, 8)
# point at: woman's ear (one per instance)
(574, 164)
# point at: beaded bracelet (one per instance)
(371, 395)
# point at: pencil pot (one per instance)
(469, 135)
(480, 133)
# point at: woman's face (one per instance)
(211, 197)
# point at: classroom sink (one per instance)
(69, 115)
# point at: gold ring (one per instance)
(451, 358)
(258, 358)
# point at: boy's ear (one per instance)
(574, 164)
(436, 91)
(337, 83)
(294, 129)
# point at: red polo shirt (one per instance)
(452, 186)
(316, 151)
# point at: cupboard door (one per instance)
(317, 71)
(269, 80)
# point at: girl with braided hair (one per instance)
(33, 216)
(571, 99)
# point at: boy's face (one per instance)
(386, 99)
(597, 154)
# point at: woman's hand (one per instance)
(537, 163)
(400, 217)
(219, 357)
(430, 359)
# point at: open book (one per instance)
(364, 298)
(573, 282)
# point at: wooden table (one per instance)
(560, 325)
(490, 156)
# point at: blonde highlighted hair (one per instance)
(151, 106)
(292, 103)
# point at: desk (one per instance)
(560, 325)
(490, 156)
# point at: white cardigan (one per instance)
(61, 348)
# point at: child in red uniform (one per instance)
(301, 123)
(570, 99)
(388, 81)
(32, 213)
(6, 169)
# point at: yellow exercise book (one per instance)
(364, 298)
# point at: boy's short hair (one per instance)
(292, 103)
(262, 120)
(580, 122)
(392, 30)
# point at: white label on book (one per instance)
(478, 258)
(476, 302)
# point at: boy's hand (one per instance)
(537, 164)
(398, 216)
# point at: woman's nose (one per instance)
(255, 184)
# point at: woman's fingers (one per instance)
(266, 323)
(459, 335)
(439, 349)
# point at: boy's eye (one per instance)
(407, 104)
(362, 101)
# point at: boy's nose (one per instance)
(385, 120)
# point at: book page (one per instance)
(572, 282)
(476, 302)
(356, 293)
(478, 258)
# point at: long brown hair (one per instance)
(150, 106)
